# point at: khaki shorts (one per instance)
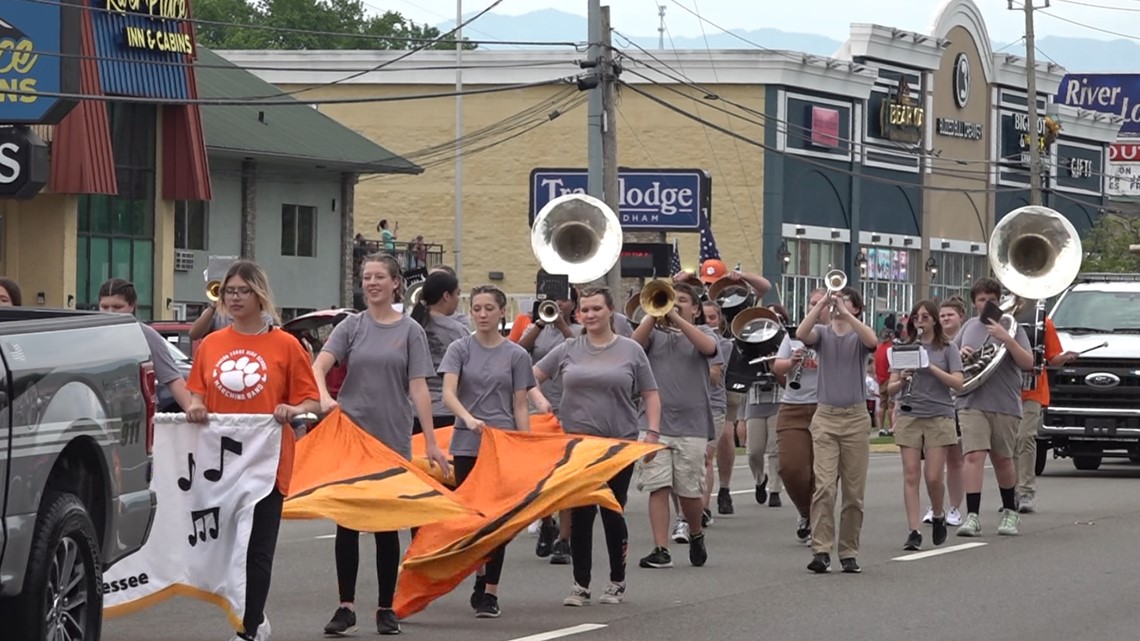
(922, 432)
(680, 466)
(990, 431)
(735, 403)
(718, 425)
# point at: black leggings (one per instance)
(436, 422)
(259, 558)
(494, 569)
(617, 535)
(348, 562)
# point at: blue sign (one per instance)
(1114, 93)
(39, 45)
(651, 199)
(145, 48)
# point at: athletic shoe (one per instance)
(680, 532)
(343, 621)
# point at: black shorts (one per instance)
(436, 421)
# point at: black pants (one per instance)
(259, 558)
(348, 563)
(494, 570)
(617, 535)
(436, 421)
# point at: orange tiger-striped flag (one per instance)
(342, 473)
(518, 478)
(539, 424)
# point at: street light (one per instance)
(784, 255)
(932, 266)
(861, 261)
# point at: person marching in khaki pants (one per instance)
(840, 426)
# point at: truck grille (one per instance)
(1069, 387)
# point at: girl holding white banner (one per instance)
(388, 362)
(485, 383)
(253, 367)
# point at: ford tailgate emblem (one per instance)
(1102, 379)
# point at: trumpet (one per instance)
(657, 299)
(548, 311)
(214, 290)
(835, 280)
(798, 370)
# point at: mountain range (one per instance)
(1074, 54)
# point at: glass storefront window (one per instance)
(888, 283)
(956, 274)
(810, 260)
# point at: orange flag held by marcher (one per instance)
(539, 424)
(518, 478)
(342, 473)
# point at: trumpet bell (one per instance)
(214, 290)
(835, 280)
(1035, 252)
(633, 309)
(578, 236)
(548, 311)
(412, 296)
(657, 298)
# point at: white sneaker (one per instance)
(263, 630)
(953, 517)
(681, 532)
(533, 527)
(614, 594)
(929, 518)
(579, 596)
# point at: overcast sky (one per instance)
(824, 17)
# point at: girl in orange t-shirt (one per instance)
(285, 389)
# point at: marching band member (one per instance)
(991, 413)
(681, 358)
(840, 426)
(289, 389)
(762, 440)
(601, 373)
(539, 339)
(485, 384)
(435, 311)
(389, 363)
(719, 401)
(793, 422)
(952, 313)
(926, 418)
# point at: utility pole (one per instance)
(661, 27)
(601, 122)
(457, 244)
(1031, 95)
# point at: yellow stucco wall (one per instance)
(496, 235)
(163, 239)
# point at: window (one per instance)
(956, 274)
(809, 261)
(298, 230)
(190, 224)
(888, 283)
(289, 313)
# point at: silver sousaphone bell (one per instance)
(578, 236)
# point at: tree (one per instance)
(1106, 245)
(346, 17)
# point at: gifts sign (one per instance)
(207, 481)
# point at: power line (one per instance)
(1099, 6)
(734, 35)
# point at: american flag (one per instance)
(675, 262)
(708, 243)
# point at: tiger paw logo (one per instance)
(241, 374)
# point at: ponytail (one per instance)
(435, 286)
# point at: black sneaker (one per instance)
(489, 608)
(724, 502)
(658, 558)
(480, 590)
(387, 622)
(913, 541)
(546, 536)
(762, 491)
(343, 621)
(820, 563)
(803, 530)
(938, 530)
(774, 500)
(697, 552)
(706, 518)
(561, 553)
(850, 566)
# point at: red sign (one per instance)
(824, 127)
(1124, 152)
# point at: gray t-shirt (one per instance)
(382, 359)
(809, 377)
(928, 395)
(842, 367)
(165, 371)
(488, 380)
(621, 325)
(1001, 393)
(599, 385)
(717, 392)
(548, 338)
(682, 375)
(222, 321)
(441, 332)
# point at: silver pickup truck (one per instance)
(76, 431)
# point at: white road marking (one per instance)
(938, 552)
(735, 492)
(325, 536)
(564, 632)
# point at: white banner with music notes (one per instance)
(207, 479)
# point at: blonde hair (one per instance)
(258, 281)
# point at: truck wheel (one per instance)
(1042, 457)
(1086, 463)
(62, 596)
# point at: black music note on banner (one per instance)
(203, 523)
(228, 445)
(184, 484)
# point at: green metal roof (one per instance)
(294, 132)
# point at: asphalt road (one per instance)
(1071, 574)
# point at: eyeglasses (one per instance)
(237, 292)
(922, 317)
